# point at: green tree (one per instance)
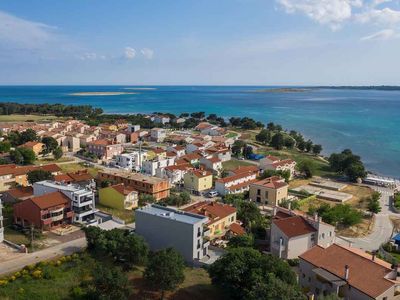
(50, 144)
(237, 147)
(39, 175)
(5, 147)
(278, 141)
(14, 137)
(16, 157)
(264, 136)
(244, 273)
(317, 149)
(348, 164)
(309, 146)
(57, 153)
(307, 167)
(28, 135)
(374, 205)
(237, 241)
(146, 199)
(165, 270)
(109, 283)
(28, 155)
(249, 213)
(282, 173)
(355, 171)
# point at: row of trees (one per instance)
(337, 215)
(9, 108)
(164, 269)
(178, 200)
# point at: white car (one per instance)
(212, 194)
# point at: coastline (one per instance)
(102, 93)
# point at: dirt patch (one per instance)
(298, 182)
(360, 194)
(360, 230)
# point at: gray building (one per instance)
(1, 223)
(164, 227)
(82, 199)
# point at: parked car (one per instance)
(212, 194)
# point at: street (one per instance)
(383, 228)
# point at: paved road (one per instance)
(383, 227)
(46, 254)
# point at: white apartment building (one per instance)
(82, 199)
(158, 134)
(131, 161)
(235, 184)
(154, 166)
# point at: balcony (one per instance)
(206, 231)
(206, 243)
(57, 218)
(47, 221)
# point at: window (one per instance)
(258, 192)
(266, 194)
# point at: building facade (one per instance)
(119, 196)
(269, 191)
(198, 180)
(164, 227)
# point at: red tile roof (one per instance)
(237, 229)
(234, 177)
(366, 275)
(213, 210)
(123, 189)
(201, 173)
(294, 226)
(274, 182)
(20, 192)
(245, 169)
(50, 200)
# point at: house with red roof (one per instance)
(276, 164)
(349, 273)
(292, 234)
(237, 182)
(44, 212)
(105, 149)
(269, 191)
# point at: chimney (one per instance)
(373, 255)
(346, 272)
(316, 217)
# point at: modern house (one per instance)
(158, 134)
(119, 196)
(164, 227)
(131, 161)
(105, 149)
(293, 233)
(82, 199)
(157, 187)
(213, 164)
(44, 212)
(269, 191)
(348, 273)
(198, 180)
(154, 166)
(220, 216)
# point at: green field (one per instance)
(233, 164)
(126, 215)
(24, 118)
(74, 167)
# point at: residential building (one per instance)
(82, 199)
(292, 234)
(1, 223)
(81, 177)
(44, 212)
(236, 182)
(119, 196)
(131, 161)
(269, 191)
(164, 227)
(105, 149)
(12, 175)
(157, 187)
(178, 150)
(156, 165)
(220, 216)
(276, 164)
(198, 180)
(17, 194)
(36, 147)
(175, 174)
(133, 128)
(213, 164)
(158, 134)
(70, 143)
(160, 119)
(221, 152)
(348, 273)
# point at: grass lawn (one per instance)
(22, 118)
(50, 160)
(126, 215)
(233, 164)
(73, 167)
(231, 135)
(15, 236)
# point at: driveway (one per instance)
(383, 227)
(46, 254)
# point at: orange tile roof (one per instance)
(366, 275)
(201, 173)
(274, 182)
(234, 177)
(245, 169)
(81, 175)
(213, 210)
(63, 177)
(50, 200)
(237, 229)
(123, 189)
(20, 192)
(294, 226)
(31, 144)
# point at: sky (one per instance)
(200, 42)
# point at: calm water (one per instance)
(367, 121)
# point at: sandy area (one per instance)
(101, 94)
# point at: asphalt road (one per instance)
(383, 228)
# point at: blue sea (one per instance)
(367, 121)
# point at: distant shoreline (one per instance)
(102, 94)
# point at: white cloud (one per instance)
(92, 56)
(327, 12)
(21, 33)
(386, 34)
(385, 16)
(147, 53)
(129, 53)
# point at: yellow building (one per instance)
(269, 191)
(119, 196)
(198, 180)
(222, 217)
(36, 147)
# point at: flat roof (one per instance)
(65, 187)
(172, 214)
